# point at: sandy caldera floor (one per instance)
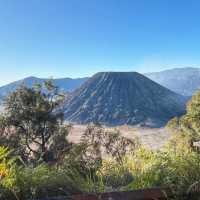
(153, 138)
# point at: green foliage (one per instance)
(177, 167)
(115, 175)
(40, 182)
(44, 181)
(32, 120)
(7, 173)
(102, 161)
(86, 180)
(173, 124)
(190, 122)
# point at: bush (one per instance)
(176, 167)
(44, 181)
(115, 176)
(7, 174)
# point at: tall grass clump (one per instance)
(177, 166)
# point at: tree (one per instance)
(189, 124)
(100, 141)
(34, 116)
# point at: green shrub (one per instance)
(115, 175)
(176, 167)
(7, 174)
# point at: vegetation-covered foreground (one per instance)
(37, 161)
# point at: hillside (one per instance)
(65, 84)
(184, 81)
(115, 98)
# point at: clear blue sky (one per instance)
(76, 38)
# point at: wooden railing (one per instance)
(145, 194)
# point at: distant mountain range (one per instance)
(183, 81)
(116, 98)
(65, 84)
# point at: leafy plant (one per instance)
(33, 118)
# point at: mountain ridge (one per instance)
(187, 81)
(116, 98)
(184, 81)
(65, 84)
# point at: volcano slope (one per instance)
(116, 98)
